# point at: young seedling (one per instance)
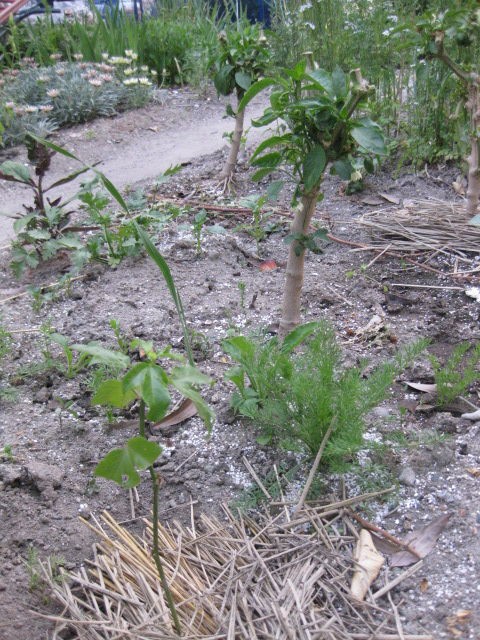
(243, 59)
(317, 127)
(148, 384)
(197, 229)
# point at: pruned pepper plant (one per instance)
(322, 122)
(243, 58)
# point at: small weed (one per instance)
(7, 453)
(198, 224)
(242, 287)
(253, 498)
(457, 374)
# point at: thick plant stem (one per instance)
(473, 189)
(231, 163)
(155, 550)
(295, 265)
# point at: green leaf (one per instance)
(224, 80)
(150, 382)
(273, 141)
(100, 355)
(183, 379)
(267, 118)
(239, 349)
(254, 90)
(111, 392)
(264, 440)
(261, 173)
(274, 189)
(243, 80)
(313, 167)
(68, 178)
(323, 80)
(370, 138)
(339, 83)
(237, 376)
(298, 70)
(167, 276)
(272, 160)
(343, 168)
(18, 171)
(122, 465)
(298, 335)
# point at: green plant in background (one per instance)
(295, 397)
(439, 36)
(317, 127)
(455, 376)
(243, 58)
(41, 230)
(7, 453)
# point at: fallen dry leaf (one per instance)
(268, 265)
(368, 564)
(474, 471)
(186, 409)
(389, 198)
(424, 388)
(424, 585)
(472, 416)
(459, 618)
(421, 542)
(371, 202)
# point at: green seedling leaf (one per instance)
(237, 376)
(183, 379)
(100, 355)
(254, 90)
(298, 335)
(370, 138)
(15, 171)
(112, 393)
(313, 167)
(239, 349)
(149, 382)
(122, 465)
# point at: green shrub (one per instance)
(295, 397)
(457, 374)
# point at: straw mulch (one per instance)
(430, 225)
(238, 579)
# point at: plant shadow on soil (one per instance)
(56, 438)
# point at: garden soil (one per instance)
(52, 438)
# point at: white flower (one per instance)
(145, 81)
(30, 108)
(10, 105)
(53, 93)
(129, 72)
(304, 7)
(78, 56)
(105, 56)
(310, 25)
(130, 81)
(44, 108)
(95, 82)
(55, 56)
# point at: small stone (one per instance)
(463, 449)
(42, 396)
(11, 474)
(407, 477)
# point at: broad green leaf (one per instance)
(183, 379)
(16, 170)
(239, 349)
(313, 167)
(122, 465)
(224, 81)
(298, 70)
(254, 90)
(150, 382)
(298, 335)
(274, 189)
(343, 168)
(39, 234)
(262, 173)
(264, 440)
(339, 83)
(267, 118)
(111, 392)
(370, 138)
(272, 160)
(237, 376)
(243, 80)
(100, 355)
(273, 141)
(323, 80)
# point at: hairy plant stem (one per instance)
(295, 264)
(155, 550)
(230, 164)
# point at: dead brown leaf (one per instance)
(421, 542)
(459, 619)
(186, 409)
(368, 564)
(421, 386)
(474, 471)
(424, 585)
(268, 265)
(389, 198)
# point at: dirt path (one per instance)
(135, 146)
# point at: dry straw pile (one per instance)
(279, 576)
